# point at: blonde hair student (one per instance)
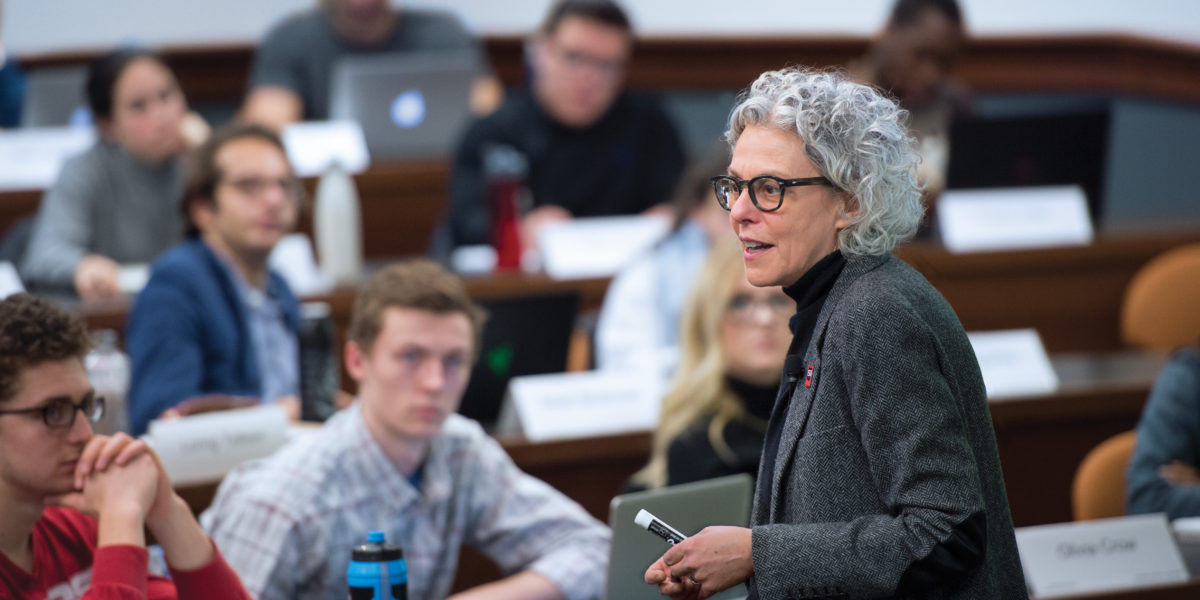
(733, 338)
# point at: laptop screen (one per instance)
(410, 104)
(1031, 150)
(522, 336)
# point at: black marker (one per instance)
(655, 525)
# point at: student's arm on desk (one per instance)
(125, 486)
(1169, 432)
(528, 527)
(525, 585)
(62, 232)
(468, 218)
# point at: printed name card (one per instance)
(314, 146)
(1013, 218)
(566, 405)
(32, 157)
(597, 246)
(206, 446)
(1106, 554)
(1013, 362)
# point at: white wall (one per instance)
(35, 26)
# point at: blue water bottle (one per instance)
(377, 570)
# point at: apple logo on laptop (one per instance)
(408, 109)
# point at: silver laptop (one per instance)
(53, 96)
(689, 508)
(410, 104)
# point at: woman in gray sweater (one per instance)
(118, 201)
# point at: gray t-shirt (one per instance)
(299, 53)
(104, 202)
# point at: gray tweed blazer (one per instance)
(886, 451)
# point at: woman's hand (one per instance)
(709, 562)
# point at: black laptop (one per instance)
(1031, 150)
(522, 336)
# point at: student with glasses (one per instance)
(879, 475)
(588, 147)
(76, 505)
(733, 340)
(213, 319)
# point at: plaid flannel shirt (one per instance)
(287, 523)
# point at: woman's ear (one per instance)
(849, 212)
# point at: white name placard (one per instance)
(314, 146)
(566, 405)
(1013, 218)
(1013, 362)
(206, 446)
(597, 246)
(132, 277)
(1106, 554)
(32, 157)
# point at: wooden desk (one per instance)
(1072, 296)
(1042, 439)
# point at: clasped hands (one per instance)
(121, 477)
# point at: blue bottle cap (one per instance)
(375, 536)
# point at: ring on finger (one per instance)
(692, 578)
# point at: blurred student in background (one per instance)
(213, 319)
(119, 201)
(1164, 474)
(582, 145)
(733, 341)
(912, 59)
(293, 67)
(639, 321)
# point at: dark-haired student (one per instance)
(912, 58)
(118, 201)
(76, 504)
(591, 148)
(1164, 473)
(213, 319)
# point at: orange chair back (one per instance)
(1161, 308)
(1098, 491)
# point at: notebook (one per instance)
(522, 336)
(410, 104)
(688, 508)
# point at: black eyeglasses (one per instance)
(60, 412)
(766, 191)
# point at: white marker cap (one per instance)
(643, 519)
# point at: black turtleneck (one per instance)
(809, 293)
(691, 456)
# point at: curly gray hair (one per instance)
(855, 137)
